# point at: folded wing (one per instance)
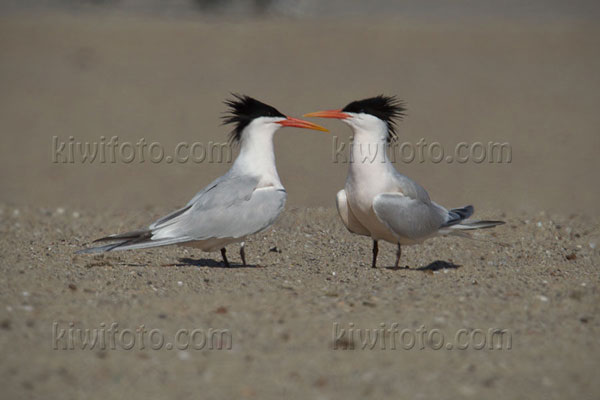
(407, 217)
(230, 207)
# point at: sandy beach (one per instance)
(293, 324)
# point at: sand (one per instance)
(283, 324)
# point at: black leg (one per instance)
(375, 251)
(224, 257)
(398, 254)
(243, 254)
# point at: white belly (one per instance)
(360, 201)
(361, 204)
(214, 244)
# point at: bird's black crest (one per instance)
(242, 110)
(386, 108)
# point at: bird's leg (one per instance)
(224, 257)
(375, 251)
(398, 254)
(243, 254)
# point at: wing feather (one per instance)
(408, 217)
(232, 208)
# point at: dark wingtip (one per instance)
(456, 215)
(495, 222)
(464, 212)
(102, 239)
(139, 234)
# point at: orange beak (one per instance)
(337, 114)
(298, 123)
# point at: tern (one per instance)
(246, 200)
(377, 200)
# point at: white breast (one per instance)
(362, 185)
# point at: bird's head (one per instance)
(374, 114)
(250, 116)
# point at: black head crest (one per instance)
(387, 108)
(242, 110)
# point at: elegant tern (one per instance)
(377, 200)
(244, 201)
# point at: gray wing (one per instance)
(410, 188)
(222, 191)
(408, 217)
(409, 213)
(230, 207)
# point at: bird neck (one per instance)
(257, 157)
(368, 153)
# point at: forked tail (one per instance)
(469, 225)
(141, 239)
(458, 221)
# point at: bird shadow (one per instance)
(206, 263)
(434, 266)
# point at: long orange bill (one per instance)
(299, 123)
(337, 114)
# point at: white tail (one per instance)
(469, 225)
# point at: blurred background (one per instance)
(525, 73)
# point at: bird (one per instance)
(377, 200)
(246, 200)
